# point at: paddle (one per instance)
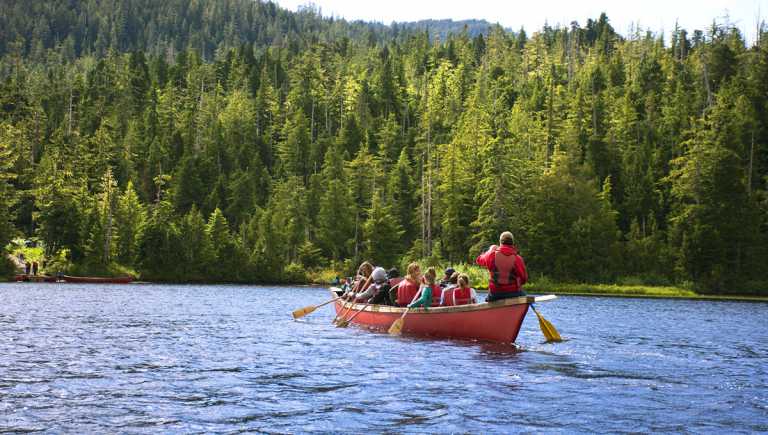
(549, 331)
(397, 325)
(301, 312)
(343, 323)
(343, 312)
(357, 288)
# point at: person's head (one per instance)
(379, 275)
(414, 272)
(393, 273)
(454, 279)
(463, 280)
(430, 276)
(365, 269)
(506, 238)
(449, 272)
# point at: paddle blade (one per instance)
(397, 327)
(301, 312)
(343, 323)
(549, 331)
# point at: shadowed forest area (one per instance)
(231, 140)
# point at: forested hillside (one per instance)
(232, 140)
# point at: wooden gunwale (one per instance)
(335, 291)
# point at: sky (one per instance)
(655, 15)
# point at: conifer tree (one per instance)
(130, 220)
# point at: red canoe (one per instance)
(35, 278)
(498, 321)
(97, 280)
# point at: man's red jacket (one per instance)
(487, 260)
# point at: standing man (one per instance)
(506, 268)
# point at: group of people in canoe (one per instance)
(375, 285)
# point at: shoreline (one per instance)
(584, 290)
(721, 298)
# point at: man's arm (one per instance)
(485, 259)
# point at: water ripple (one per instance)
(229, 359)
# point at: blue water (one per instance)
(159, 358)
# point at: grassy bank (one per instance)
(617, 290)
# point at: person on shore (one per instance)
(462, 294)
(429, 291)
(506, 268)
(408, 287)
(446, 281)
(379, 284)
(27, 267)
(35, 267)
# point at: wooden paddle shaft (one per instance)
(365, 285)
(328, 302)
(360, 311)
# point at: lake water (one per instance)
(172, 358)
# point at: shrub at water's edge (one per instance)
(7, 268)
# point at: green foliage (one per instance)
(573, 234)
(259, 144)
(7, 268)
(130, 221)
(294, 274)
(8, 196)
(99, 229)
(381, 233)
(196, 256)
(310, 256)
(158, 251)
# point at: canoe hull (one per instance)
(97, 280)
(34, 278)
(497, 322)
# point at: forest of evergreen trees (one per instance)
(231, 140)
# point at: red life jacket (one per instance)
(406, 291)
(457, 296)
(437, 292)
(503, 271)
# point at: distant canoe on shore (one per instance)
(74, 279)
(23, 277)
(97, 280)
